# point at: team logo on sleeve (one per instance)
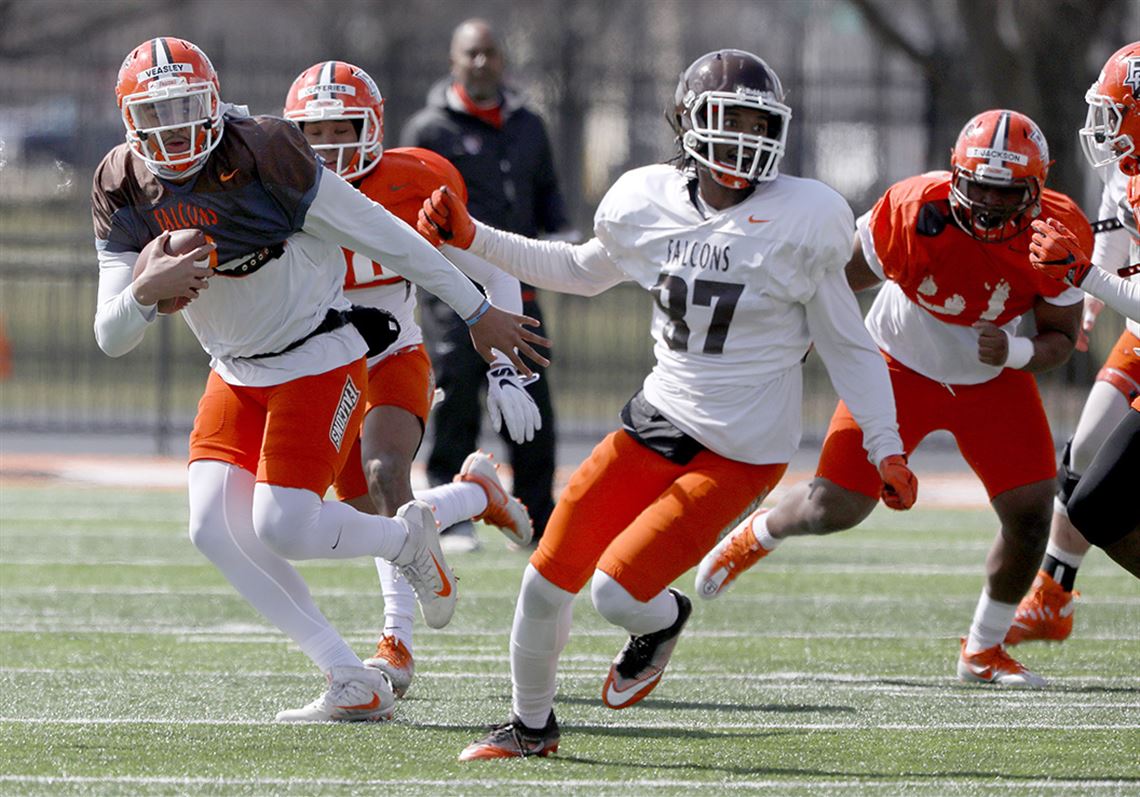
(349, 397)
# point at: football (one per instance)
(179, 243)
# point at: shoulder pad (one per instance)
(932, 218)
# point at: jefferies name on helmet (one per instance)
(697, 254)
(165, 69)
(327, 88)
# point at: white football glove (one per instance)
(507, 400)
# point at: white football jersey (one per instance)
(730, 327)
(1114, 199)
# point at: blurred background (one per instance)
(879, 90)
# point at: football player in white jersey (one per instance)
(1099, 506)
(952, 248)
(284, 399)
(746, 267)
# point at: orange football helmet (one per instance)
(1112, 128)
(335, 90)
(169, 99)
(998, 170)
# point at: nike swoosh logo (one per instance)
(754, 220)
(225, 178)
(616, 697)
(443, 593)
(394, 188)
(364, 706)
(338, 533)
(981, 672)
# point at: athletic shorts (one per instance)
(402, 379)
(296, 434)
(1121, 368)
(1000, 427)
(642, 519)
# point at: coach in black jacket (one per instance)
(503, 152)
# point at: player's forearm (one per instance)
(855, 365)
(1121, 295)
(120, 321)
(1051, 348)
(582, 269)
(502, 289)
(341, 214)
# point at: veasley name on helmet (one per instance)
(165, 69)
(697, 254)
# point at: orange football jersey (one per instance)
(403, 179)
(955, 278)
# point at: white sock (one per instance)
(399, 603)
(1073, 560)
(454, 502)
(541, 628)
(760, 530)
(614, 603)
(221, 527)
(297, 524)
(992, 620)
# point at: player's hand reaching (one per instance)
(507, 332)
(900, 485)
(1055, 251)
(444, 220)
(509, 402)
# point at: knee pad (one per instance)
(612, 600)
(283, 517)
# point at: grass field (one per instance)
(129, 667)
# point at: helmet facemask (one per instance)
(751, 158)
(352, 159)
(1101, 137)
(988, 220)
(174, 125)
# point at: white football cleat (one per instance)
(503, 511)
(995, 666)
(421, 562)
(354, 694)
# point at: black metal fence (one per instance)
(600, 72)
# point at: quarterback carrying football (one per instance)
(283, 401)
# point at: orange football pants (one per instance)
(402, 379)
(642, 519)
(1000, 427)
(296, 434)
(1121, 368)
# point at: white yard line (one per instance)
(505, 781)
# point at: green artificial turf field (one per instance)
(128, 666)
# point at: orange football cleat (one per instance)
(394, 660)
(1046, 612)
(512, 739)
(995, 666)
(730, 557)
